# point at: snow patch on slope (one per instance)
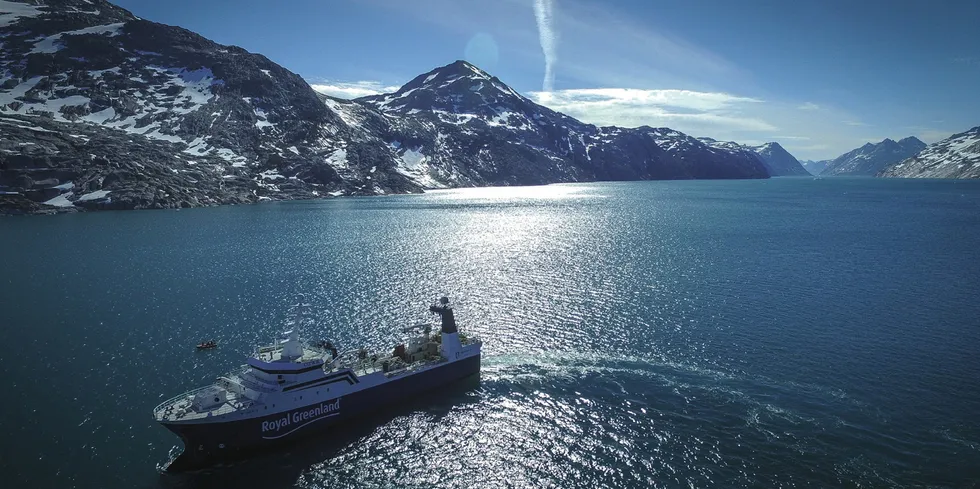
(98, 194)
(957, 156)
(60, 201)
(195, 92)
(345, 111)
(52, 44)
(415, 165)
(11, 11)
(338, 160)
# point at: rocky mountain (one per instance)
(815, 167)
(102, 110)
(777, 160)
(957, 156)
(459, 126)
(871, 159)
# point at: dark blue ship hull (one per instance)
(209, 443)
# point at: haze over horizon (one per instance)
(820, 78)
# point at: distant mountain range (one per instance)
(957, 156)
(871, 159)
(815, 167)
(102, 110)
(777, 160)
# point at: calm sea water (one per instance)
(792, 332)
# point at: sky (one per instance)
(820, 77)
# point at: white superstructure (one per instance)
(291, 374)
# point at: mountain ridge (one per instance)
(136, 114)
(872, 158)
(777, 160)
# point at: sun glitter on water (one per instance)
(497, 194)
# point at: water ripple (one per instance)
(782, 333)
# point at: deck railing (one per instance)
(173, 400)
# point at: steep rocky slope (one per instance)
(957, 156)
(239, 127)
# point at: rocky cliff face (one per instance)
(100, 109)
(870, 159)
(957, 156)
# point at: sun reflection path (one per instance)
(549, 192)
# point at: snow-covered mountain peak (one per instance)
(446, 78)
(767, 148)
(457, 88)
(462, 68)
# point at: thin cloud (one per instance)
(603, 45)
(685, 110)
(793, 148)
(351, 90)
(612, 48)
(808, 106)
(685, 99)
(544, 17)
(855, 123)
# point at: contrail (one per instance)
(546, 32)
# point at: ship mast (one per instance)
(450, 337)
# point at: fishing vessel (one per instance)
(292, 388)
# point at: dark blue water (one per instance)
(780, 333)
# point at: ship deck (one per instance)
(274, 354)
(179, 408)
